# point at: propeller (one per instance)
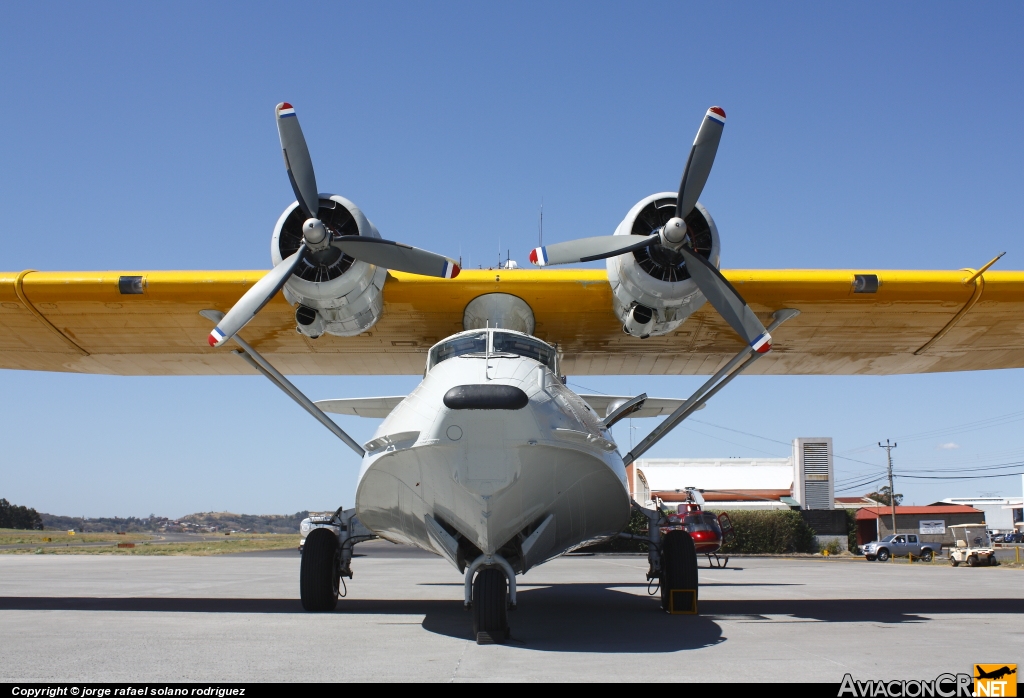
(316, 237)
(673, 235)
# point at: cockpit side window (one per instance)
(466, 344)
(520, 345)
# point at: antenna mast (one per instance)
(540, 226)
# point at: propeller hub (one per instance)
(674, 233)
(314, 232)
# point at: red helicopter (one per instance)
(709, 532)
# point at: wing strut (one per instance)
(253, 358)
(707, 391)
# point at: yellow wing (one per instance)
(916, 322)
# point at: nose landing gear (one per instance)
(491, 594)
(490, 607)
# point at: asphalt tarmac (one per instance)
(580, 618)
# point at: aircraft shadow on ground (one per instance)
(569, 617)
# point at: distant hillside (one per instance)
(225, 521)
(217, 521)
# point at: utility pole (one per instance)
(892, 493)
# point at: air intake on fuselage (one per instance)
(485, 397)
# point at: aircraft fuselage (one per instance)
(491, 464)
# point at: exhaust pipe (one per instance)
(639, 321)
(309, 322)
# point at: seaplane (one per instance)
(493, 463)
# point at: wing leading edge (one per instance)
(148, 323)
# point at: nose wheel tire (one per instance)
(883, 555)
(678, 566)
(490, 607)
(320, 572)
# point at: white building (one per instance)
(803, 481)
(1001, 513)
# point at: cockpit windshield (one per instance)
(466, 344)
(522, 345)
(502, 343)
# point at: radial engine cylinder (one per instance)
(655, 279)
(334, 293)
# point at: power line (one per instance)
(999, 420)
(958, 477)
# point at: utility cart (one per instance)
(971, 545)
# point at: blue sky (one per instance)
(141, 136)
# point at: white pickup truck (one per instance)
(900, 545)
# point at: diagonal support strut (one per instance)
(253, 358)
(707, 391)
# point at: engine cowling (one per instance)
(332, 292)
(651, 288)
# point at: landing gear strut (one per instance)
(672, 560)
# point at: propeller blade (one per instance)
(255, 298)
(727, 301)
(588, 249)
(702, 157)
(396, 256)
(297, 160)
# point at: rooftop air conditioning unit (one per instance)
(813, 484)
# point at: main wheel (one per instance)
(678, 566)
(883, 555)
(926, 555)
(490, 607)
(320, 573)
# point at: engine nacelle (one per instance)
(334, 292)
(651, 288)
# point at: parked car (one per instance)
(1014, 538)
(899, 545)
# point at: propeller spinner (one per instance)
(316, 237)
(675, 236)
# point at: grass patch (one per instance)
(11, 536)
(239, 544)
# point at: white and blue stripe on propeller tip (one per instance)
(717, 114)
(762, 343)
(216, 337)
(284, 110)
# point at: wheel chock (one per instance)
(682, 602)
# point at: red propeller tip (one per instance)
(533, 256)
(719, 111)
(455, 270)
(212, 340)
(764, 348)
(285, 105)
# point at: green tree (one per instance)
(14, 516)
(883, 496)
(775, 532)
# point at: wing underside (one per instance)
(913, 322)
